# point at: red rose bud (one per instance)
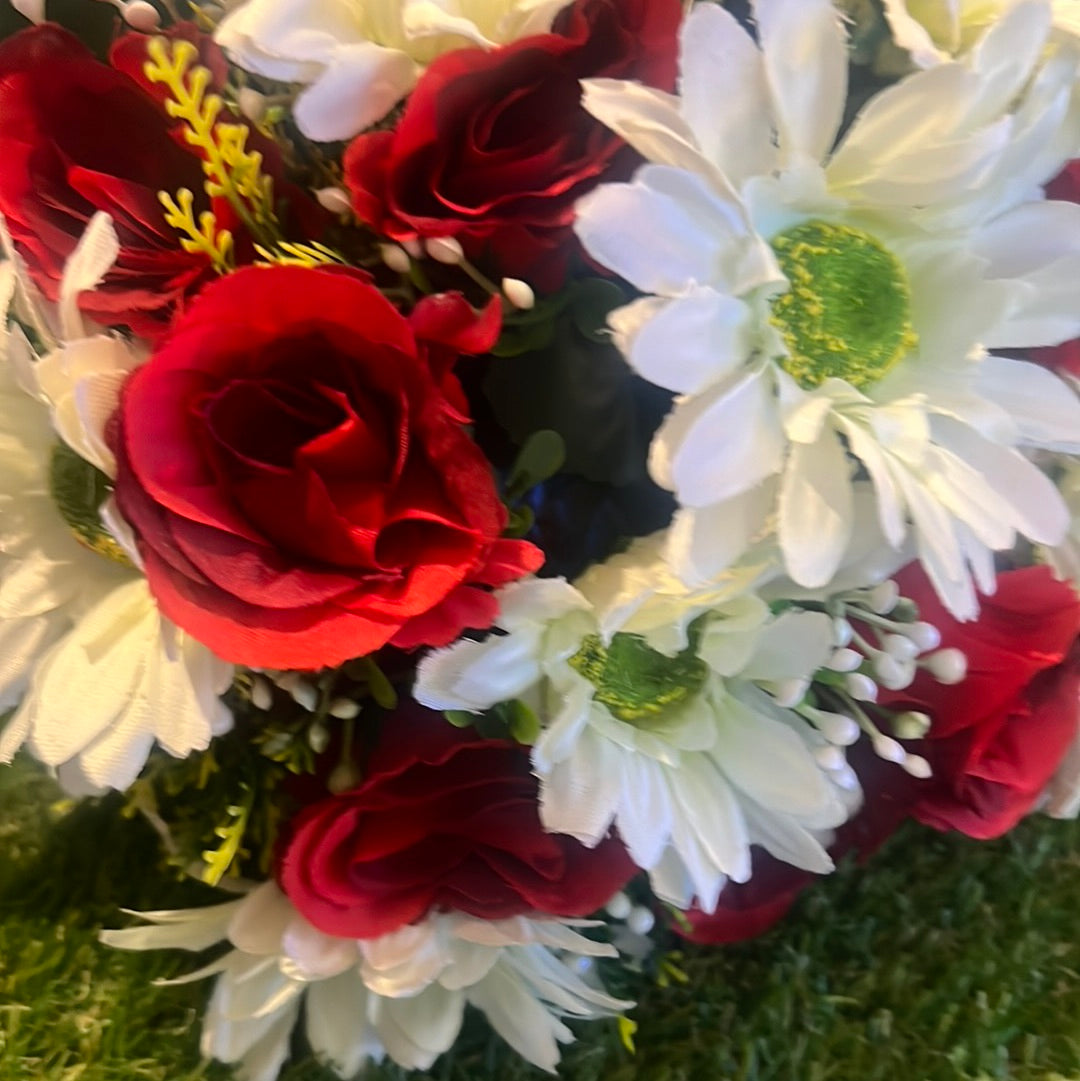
(494, 147)
(299, 478)
(79, 137)
(444, 820)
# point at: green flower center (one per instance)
(847, 313)
(634, 681)
(78, 490)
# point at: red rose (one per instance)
(80, 137)
(295, 465)
(997, 737)
(494, 147)
(444, 820)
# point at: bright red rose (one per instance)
(294, 462)
(998, 736)
(444, 820)
(494, 147)
(79, 137)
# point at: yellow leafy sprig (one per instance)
(223, 858)
(203, 235)
(232, 171)
(303, 255)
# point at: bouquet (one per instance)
(500, 483)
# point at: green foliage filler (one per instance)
(943, 960)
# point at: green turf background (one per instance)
(944, 959)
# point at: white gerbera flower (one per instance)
(934, 31)
(656, 717)
(817, 305)
(401, 995)
(360, 59)
(100, 673)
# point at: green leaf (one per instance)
(78, 489)
(523, 723)
(460, 718)
(541, 457)
(590, 303)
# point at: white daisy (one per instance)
(657, 719)
(934, 31)
(818, 307)
(100, 673)
(360, 60)
(402, 995)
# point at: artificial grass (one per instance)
(943, 960)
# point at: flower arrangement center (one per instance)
(633, 680)
(847, 313)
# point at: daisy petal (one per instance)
(720, 63)
(815, 509)
(719, 444)
(806, 65)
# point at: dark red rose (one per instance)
(294, 462)
(494, 147)
(79, 137)
(997, 737)
(444, 820)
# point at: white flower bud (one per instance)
(141, 16)
(345, 775)
(336, 200)
(911, 725)
(790, 692)
(261, 695)
(900, 646)
(252, 104)
(414, 248)
(893, 674)
(837, 728)
(844, 660)
(519, 293)
(846, 779)
(925, 635)
(883, 597)
(395, 257)
(861, 688)
(886, 747)
(917, 766)
(318, 737)
(830, 758)
(305, 696)
(947, 665)
(619, 907)
(842, 632)
(287, 681)
(641, 920)
(345, 709)
(445, 249)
